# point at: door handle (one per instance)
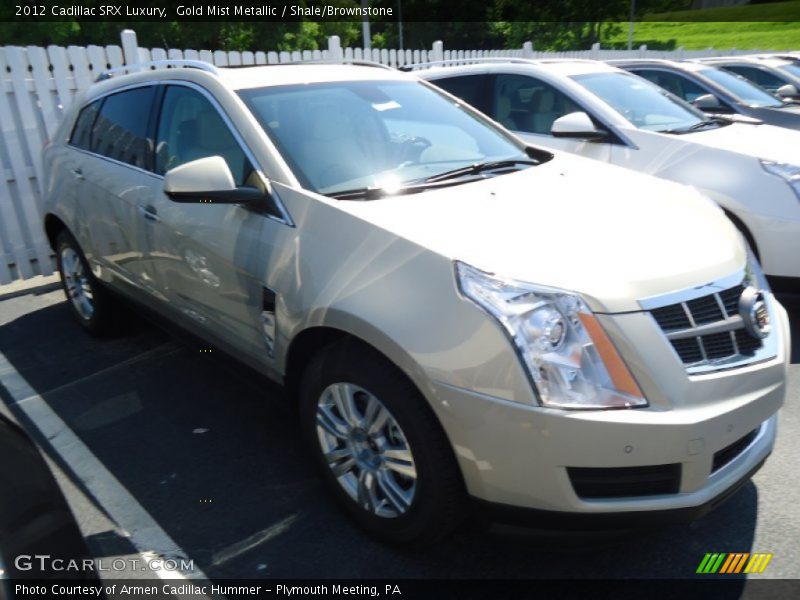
(77, 173)
(149, 213)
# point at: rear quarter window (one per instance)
(120, 130)
(82, 132)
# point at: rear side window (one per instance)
(673, 83)
(120, 130)
(523, 103)
(82, 132)
(470, 88)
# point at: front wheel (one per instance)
(379, 446)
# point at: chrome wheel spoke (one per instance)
(85, 304)
(366, 490)
(327, 421)
(376, 416)
(68, 263)
(396, 496)
(340, 461)
(345, 403)
(399, 460)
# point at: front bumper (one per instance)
(518, 455)
(559, 520)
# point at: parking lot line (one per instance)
(161, 351)
(150, 540)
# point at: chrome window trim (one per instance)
(114, 161)
(284, 218)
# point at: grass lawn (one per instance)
(752, 27)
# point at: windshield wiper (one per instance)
(477, 168)
(374, 193)
(719, 121)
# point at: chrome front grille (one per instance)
(708, 330)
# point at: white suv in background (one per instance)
(456, 313)
(598, 111)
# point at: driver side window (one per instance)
(522, 103)
(190, 128)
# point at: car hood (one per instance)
(611, 234)
(761, 141)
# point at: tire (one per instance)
(397, 479)
(95, 309)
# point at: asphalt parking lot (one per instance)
(211, 453)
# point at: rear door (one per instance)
(114, 176)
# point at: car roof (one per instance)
(561, 66)
(769, 61)
(239, 78)
(680, 65)
(272, 75)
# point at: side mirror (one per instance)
(787, 91)
(577, 125)
(207, 180)
(707, 102)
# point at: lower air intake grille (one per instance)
(728, 453)
(620, 482)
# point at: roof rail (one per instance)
(319, 61)
(461, 61)
(158, 64)
(496, 59)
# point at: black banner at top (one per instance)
(378, 11)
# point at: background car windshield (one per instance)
(792, 69)
(641, 102)
(745, 92)
(348, 135)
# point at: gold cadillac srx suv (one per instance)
(458, 315)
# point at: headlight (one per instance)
(571, 361)
(789, 173)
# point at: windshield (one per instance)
(746, 92)
(347, 135)
(641, 102)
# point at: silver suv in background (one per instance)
(602, 112)
(456, 314)
(715, 91)
(778, 76)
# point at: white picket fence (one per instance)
(39, 84)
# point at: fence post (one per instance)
(642, 50)
(596, 51)
(438, 51)
(130, 46)
(335, 49)
(527, 50)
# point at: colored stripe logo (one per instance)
(731, 563)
